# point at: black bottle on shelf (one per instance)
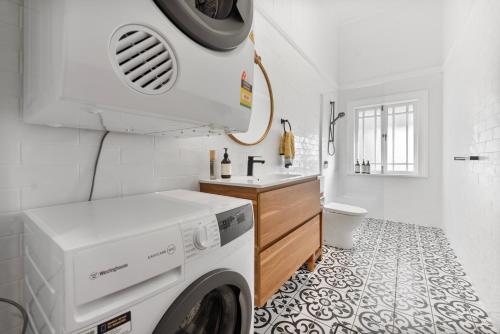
(357, 167)
(225, 166)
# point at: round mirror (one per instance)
(262, 108)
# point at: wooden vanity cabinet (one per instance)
(288, 230)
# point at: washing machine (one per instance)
(163, 263)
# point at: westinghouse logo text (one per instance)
(96, 274)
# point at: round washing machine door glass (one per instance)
(217, 303)
(216, 24)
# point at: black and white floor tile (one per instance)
(399, 278)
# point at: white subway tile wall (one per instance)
(472, 127)
(42, 166)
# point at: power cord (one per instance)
(97, 164)
(21, 310)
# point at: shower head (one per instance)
(340, 115)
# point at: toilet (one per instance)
(339, 222)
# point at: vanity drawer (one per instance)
(282, 210)
(276, 264)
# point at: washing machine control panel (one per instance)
(200, 236)
(234, 223)
(204, 234)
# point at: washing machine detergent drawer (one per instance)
(111, 267)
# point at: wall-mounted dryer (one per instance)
(161, 67)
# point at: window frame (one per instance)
(420, 119)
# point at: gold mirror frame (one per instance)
(258, 61)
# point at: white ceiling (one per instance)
(317, 27)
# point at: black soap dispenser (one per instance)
(225, 170)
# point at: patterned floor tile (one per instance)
(445, 266)
(383, 271)
(451, 287)
(338, 277)
(378, 294)
(374, 321)
(309, 301)
(294, 322)
(347, 258)
(335, 306)
(290, 287)
(462, 316)
(407, 324)
(263, 317)
(413, 300)
(398, 278)
(341, 329)
(409, 273)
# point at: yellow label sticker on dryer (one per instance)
(245, 92)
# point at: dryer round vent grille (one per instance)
(143, 59)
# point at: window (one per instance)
(387, 135)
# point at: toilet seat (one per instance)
(344, 209)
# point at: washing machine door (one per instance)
(217, 303)
(216, 24)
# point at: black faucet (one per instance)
(251, 161)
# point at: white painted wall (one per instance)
(455, 13)
(405, 38)
(406, 199)
(312, 25)
(396, 51)
(329, 172)
(42, 166)
(471, 190)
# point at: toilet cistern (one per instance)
(251, 161)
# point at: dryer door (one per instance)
(216, 24)
(220, 302)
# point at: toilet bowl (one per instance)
(339, 222)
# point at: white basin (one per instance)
(260, 181)
(279, 176)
